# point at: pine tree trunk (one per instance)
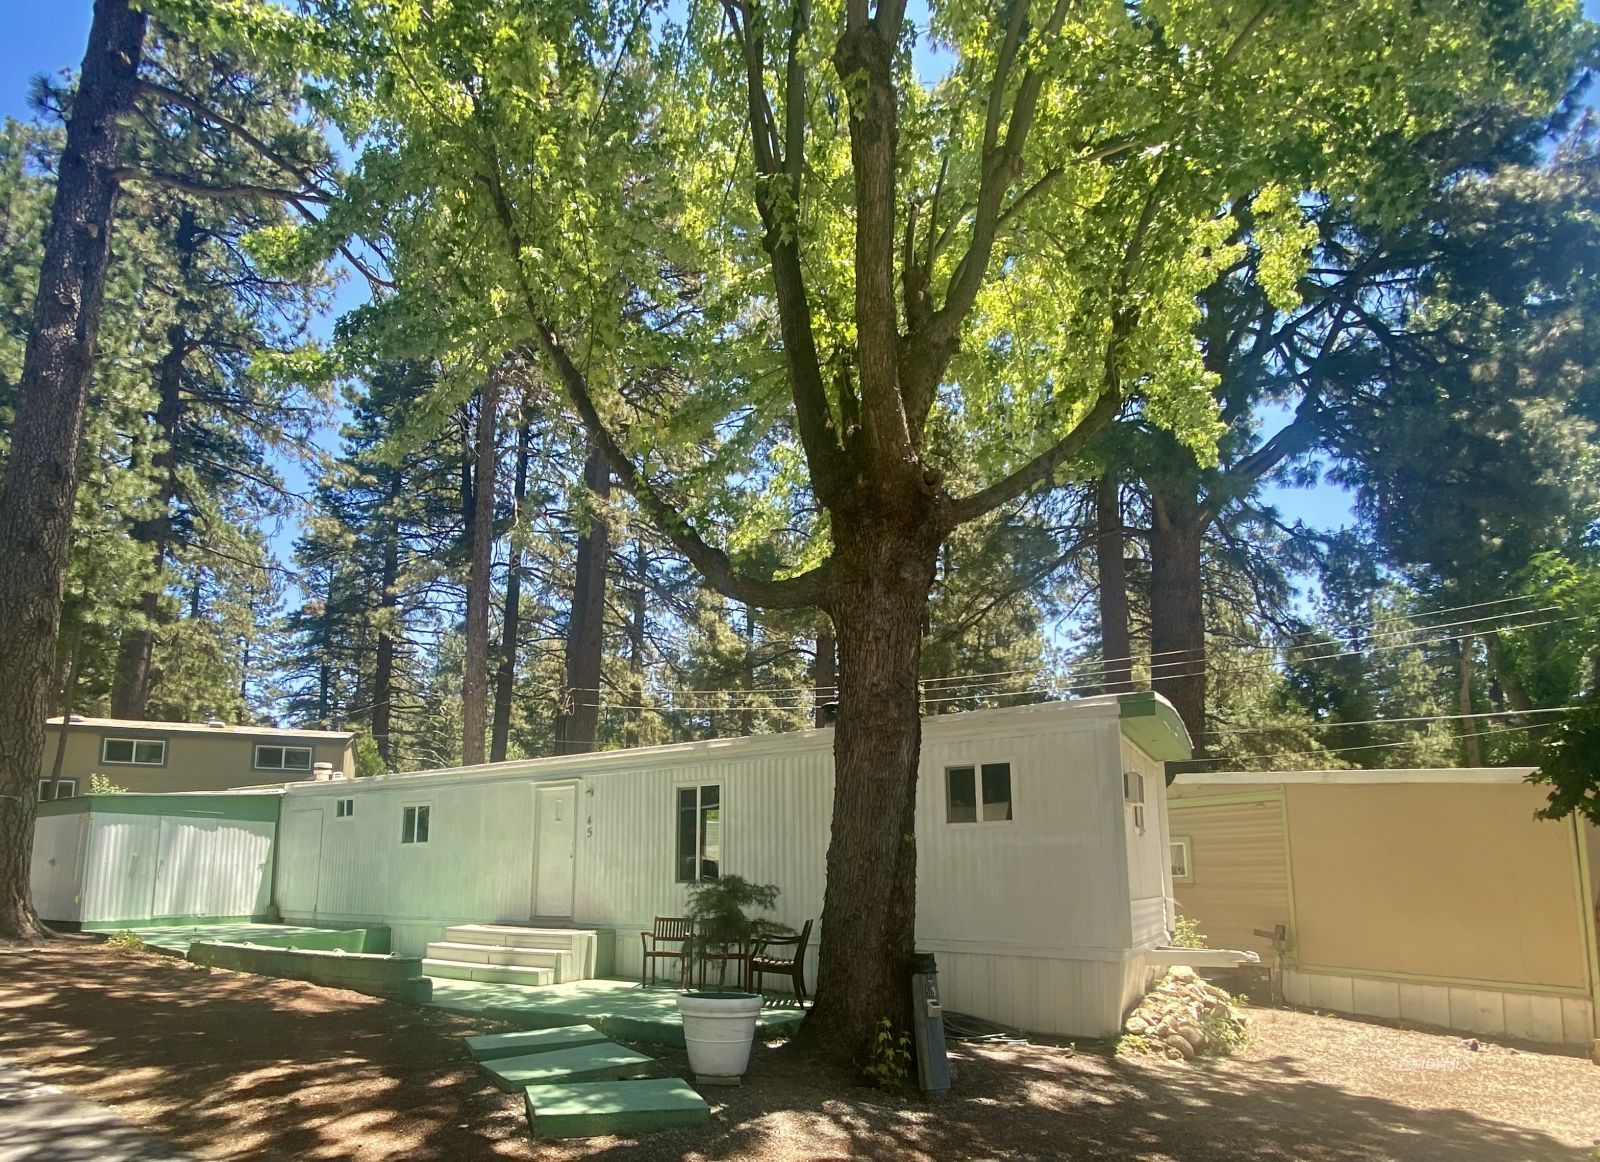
(475, 679)
(41, 477)
(870, 901)
(382, 717)
(1469, 724)
(578, 723)
(1177, 610)
(1112, 565)
(505, 677)
(825, 673)
(130, 693)
(69, 692)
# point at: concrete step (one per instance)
(491, 1046)
(518, 936)
(616, 1107)
(560, 961)
(488, 973)
(599, 1062)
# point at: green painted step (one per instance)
(491, 1046)
(602, 1062)
(613, 1107)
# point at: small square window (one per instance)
(978, 794)
(414, 824)
(1182, 865)
(344, 808)
(63, 789)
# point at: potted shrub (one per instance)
(719, 1025)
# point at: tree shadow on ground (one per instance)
(246, 1067)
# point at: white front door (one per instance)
(555, 842)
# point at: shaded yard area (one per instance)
(232, 1066)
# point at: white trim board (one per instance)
(1477, 775)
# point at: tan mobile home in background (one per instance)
(153, 757)
(1431, 896)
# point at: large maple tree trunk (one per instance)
(1112, 565)
(1177, 609)
(870, 902)
(475, 678)
(578, 722)
(41, 475)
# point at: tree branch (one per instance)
(124, 175)
(1041, 468)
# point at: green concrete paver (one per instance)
(601, 1062)
(495, 1045)
(623, 1107)
(619, 1009)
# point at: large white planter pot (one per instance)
(718, 1030)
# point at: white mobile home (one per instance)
(1043, 876)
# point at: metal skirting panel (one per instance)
(1550, 1018)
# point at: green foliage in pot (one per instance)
(719, 909)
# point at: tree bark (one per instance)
(382, 716)
(870, 898)
(505, 678)
(475, 679)
(41, 475)
(825, 673)
(578, 722)
(1111, 563)
(1177, 609)
(1469, 724)
(69, 690)
(130, 692)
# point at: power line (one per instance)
(1389, 745)
(1387, 721)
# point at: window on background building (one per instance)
(142, 752)
(414, 823)
(283, 758)
(979, 794)
(64, 789)
(699, 833)
(1182, 865)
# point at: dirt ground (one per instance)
(233, 1066)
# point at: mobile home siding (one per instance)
(1239, 866)
(1030, 918)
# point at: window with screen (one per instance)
(699, 825)
(139, 752)
(283, 758)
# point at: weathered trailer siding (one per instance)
(127, 860)
(59, 845)
(1030, 918)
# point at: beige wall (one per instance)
(1441, 881)
(1238, 861)
(195, 761)
(1436, 880)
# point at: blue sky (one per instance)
(47, 37)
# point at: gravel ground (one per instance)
(232, 1066)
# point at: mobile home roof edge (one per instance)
(1148, 706)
